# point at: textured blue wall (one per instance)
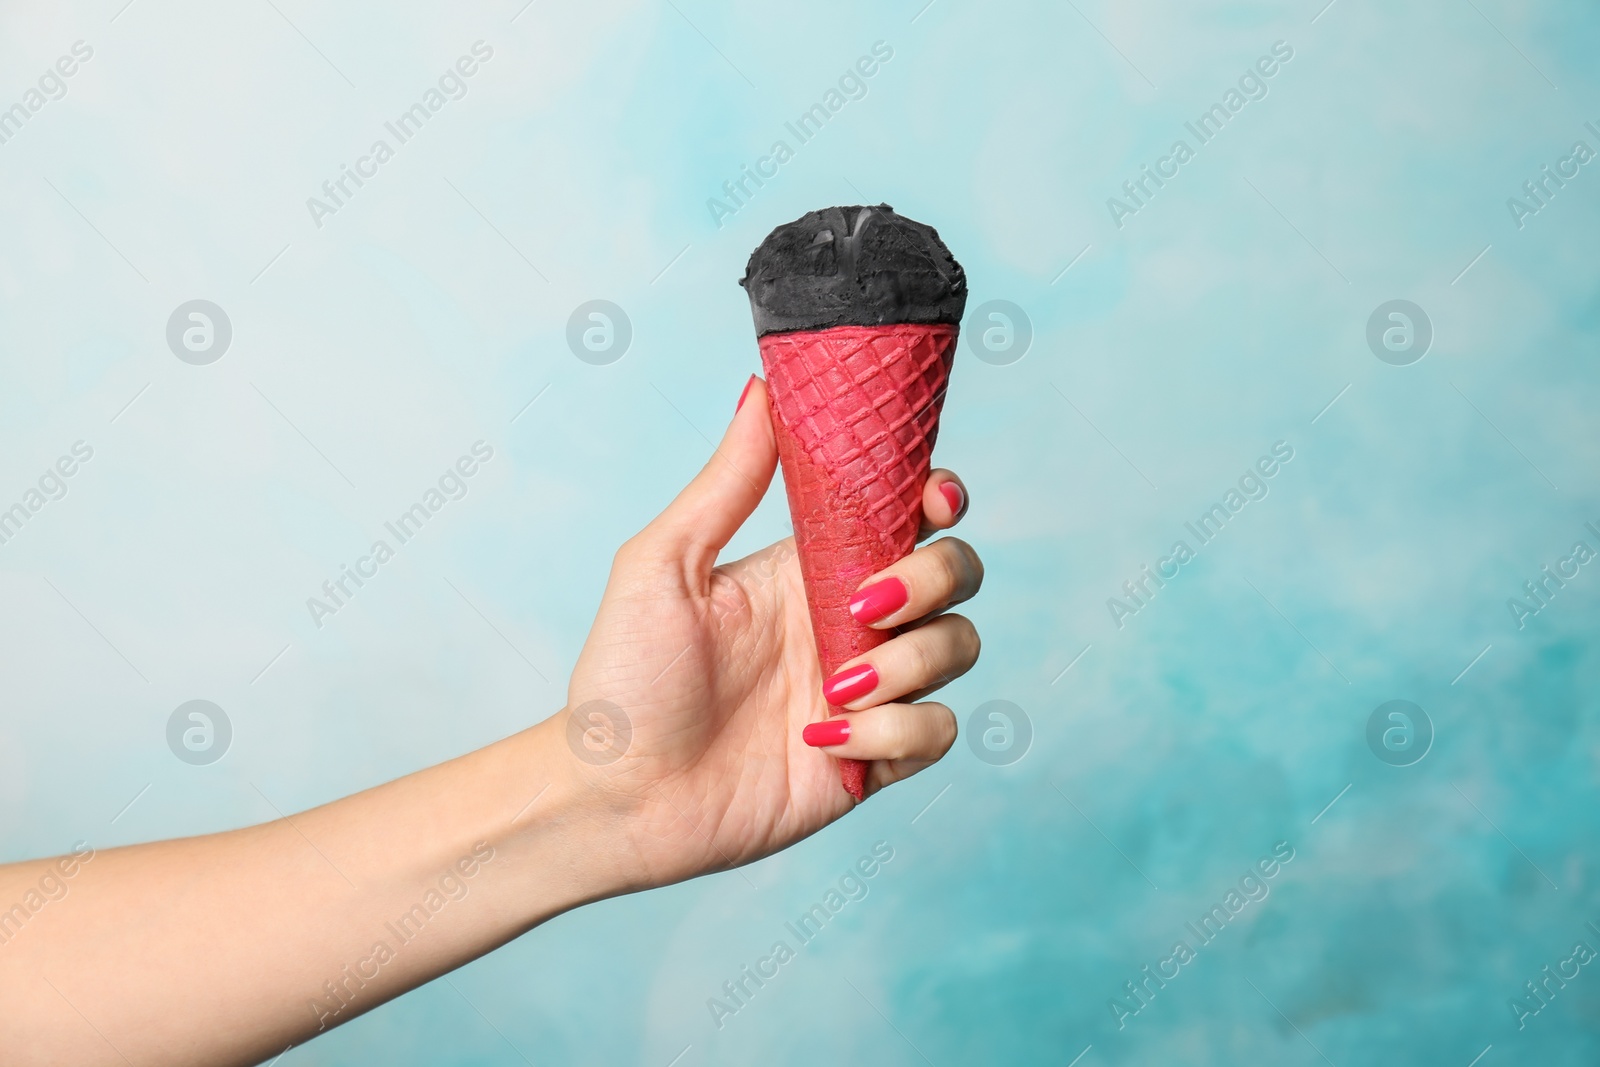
(1178, 334)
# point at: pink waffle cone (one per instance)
(856, 410)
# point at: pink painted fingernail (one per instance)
(953, 496)
(834, 731)
(850, 684)
(744, 394)
(879, 600)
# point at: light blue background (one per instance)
(1226, 315)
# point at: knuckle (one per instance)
(964, 636)
(898, 736)
(917, 731)
(943, 722)
(638, 565)
(947, 566)
(927, 665)
(961, 563)
(627, 553)
(971, 563)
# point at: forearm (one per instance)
(230, 947)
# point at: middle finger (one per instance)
(928, 580)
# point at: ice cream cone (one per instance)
(857, 311)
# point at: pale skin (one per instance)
(216, 949)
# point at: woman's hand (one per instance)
(682, 753)
(688, 704)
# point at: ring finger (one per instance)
(907, 667)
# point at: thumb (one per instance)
(703, 518)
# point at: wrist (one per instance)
(563, 835)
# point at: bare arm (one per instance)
(685, 751)
(284, 929)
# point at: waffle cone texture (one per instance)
(856, 411)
